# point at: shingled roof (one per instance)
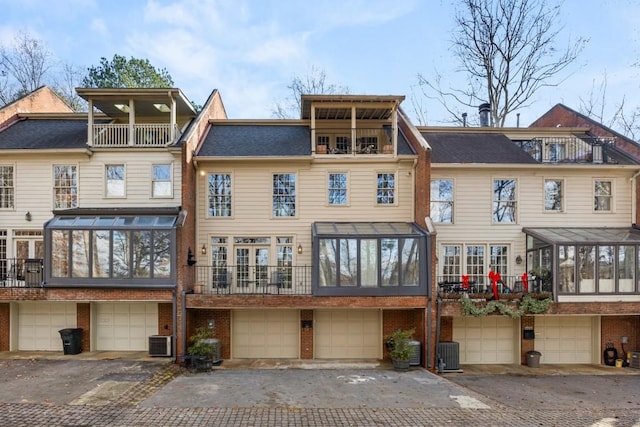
(474, 148)
(41, 134)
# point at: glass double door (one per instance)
(26, 249)
(252, 264)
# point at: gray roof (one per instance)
(474, 148)
(585, 235)
(258, 140)
(45, 134)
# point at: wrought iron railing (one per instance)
(144, 135)
(260, 279)
(21, 273)
(452, 284)
(569, 149)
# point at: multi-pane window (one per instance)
(219, 257)
(567, 259)
(115, 180)
(386, 189)
(337, 189)
(504, 201)
(451, 262)
(7, 188)
(557, 152)
(161, 185)
(474, 259)
(284, 194)
(603, 195)
(65, 186)
(284, 260)
(553, 195)
(442, 200)
(219, 194)
(498, 259)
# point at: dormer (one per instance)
(136, 117)
(352, 125)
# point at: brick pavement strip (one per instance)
(36, 415)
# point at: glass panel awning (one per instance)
(584, 235)
(367, 229)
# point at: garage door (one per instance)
(347, 334)
(268, 334)
(39, 323)
(125, 326)
(485, 340)
(564, 339)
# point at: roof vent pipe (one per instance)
(484, 110)
(518, 120)
(464, 120)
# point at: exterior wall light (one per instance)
(27, 216)
(203, 249)
(299, 248)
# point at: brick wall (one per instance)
(613, 328)
(454, 308)
(528, 344)
(222, 328)
(42, 100)
(393, 320)
(83, 320)
(306, 335)
(165, 319)
(5, 326)
(83, 294)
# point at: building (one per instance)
(551, 210)
(92, 220)
(312, 240)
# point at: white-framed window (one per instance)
(553, 195)
(603, 195)
(65, 186)
(451, 262)
(162, 180)
(474, 260)
(115, 181)
(442, 201)
(284, 195)
(220, 194)
(557, 151)
(499, 259)
(386, 188)
(504, 201)
(7, 187)
(337, 189)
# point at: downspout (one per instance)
(428, 346)
(634, 208)
(183, 312)
(174, 343)
(439, 361)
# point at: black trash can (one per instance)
(533, 359)
(71, 340)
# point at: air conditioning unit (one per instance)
(634, 361)
(160, 345)
(449, 353)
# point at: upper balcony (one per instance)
(592, 150)
(354, 141)
(140, 118)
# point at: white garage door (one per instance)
(347, 334)
(564, 339)
(39, 323)
(485, 340)
(268, 334)
(125, 326)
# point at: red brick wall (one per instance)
(5, 326)
(454, 308)
(43, 100)
(83, 320)
(222, 328)
(526, 345)
(165, 319)
(306, 335)
(83, 294)
(615, 327)
(446, 328)
(302, 301)
(393, 320)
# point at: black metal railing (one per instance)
(569, 149)
(483, 285)
(252, 280)
(21, 273)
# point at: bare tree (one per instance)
(506, 50)
(65, 86)
(24, 67)
(313, 83)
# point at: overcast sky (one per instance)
(250, 49)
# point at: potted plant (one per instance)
(400, 350)
(202, 349)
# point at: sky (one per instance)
(250, 50)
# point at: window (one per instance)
(161, 185)
(6, 187)
(284, 254)
(65, 186)
(219, 195)
(386, 189)
(553, 195)
(498, 259)
(566, 262)
(603, 196)
(220, 274)
(557, 152)
(606, 265)
(442, 201)
(475, 262)
(115, 179)
(451, 262)
(284, 195)
(504, 201)
(338, 189)
(626, 268)
(343, 144)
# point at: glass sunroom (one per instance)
(376, 259)
(113, 248)
(583, 261)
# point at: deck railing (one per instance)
(482, 285)
(21, 273)
(368, 141)
(144, 135)
(251, 280)
(569, 149)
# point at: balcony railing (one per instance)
(253, 280)
(341, 142)
(144, 135)
(482, 285)
(569, 149)
(21, 273)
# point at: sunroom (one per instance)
(573, 262)
(370, 259)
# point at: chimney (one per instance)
(484, 110)
(464, 120)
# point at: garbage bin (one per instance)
(533, 359)
(71, 340)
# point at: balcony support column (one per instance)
(132, 122)
(90, 124)
(172, 120)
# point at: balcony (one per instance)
(21, 273)
(253, 280)
(136, 135)
(571, 150)
(354, 142)
(451, 286)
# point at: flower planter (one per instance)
(401, 365)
